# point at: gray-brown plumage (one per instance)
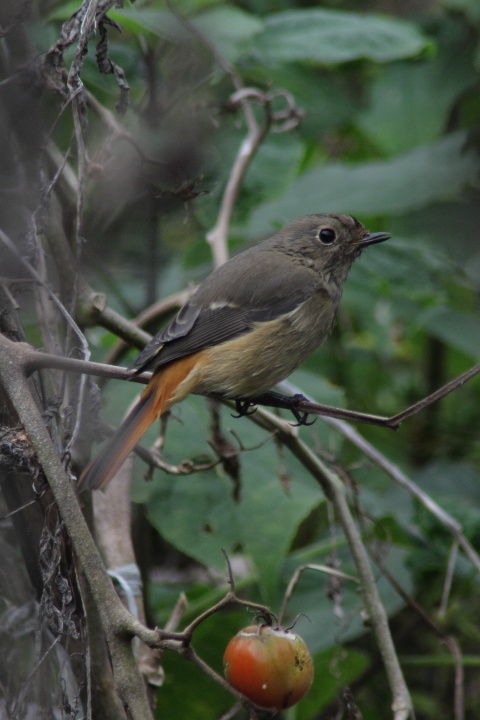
(247, 327)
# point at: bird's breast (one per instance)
(253, 363)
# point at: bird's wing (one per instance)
(228, 304)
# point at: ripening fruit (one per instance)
(271, 666)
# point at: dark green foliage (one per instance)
(390, 134)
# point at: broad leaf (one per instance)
(329, 36)
(410, 181)
(410, 103)
(198, 514)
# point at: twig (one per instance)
(403, 480)
(304, 406)
(217, 237)
(243, 98)
(190, 654)
(177, 613)
(70, 321)
(36, 360)
(256, 131)
(335, 491)
(450, 642)
(296, 576)
(452, 559)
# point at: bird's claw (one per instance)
(300, 417)
(244, 408)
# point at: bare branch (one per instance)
(296, 576)
(118, 624)
(452, 559)
(335, 492)
(450, 642)
(256, 132)
(401, 479)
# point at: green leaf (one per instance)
(332, 670)
(226, 29)
(150, 21)
(329, 36)
(270, 514)
(311, 598)
(273, 169)
(198, 513)
(410, 103)
(432, 172)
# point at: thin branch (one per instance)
(190, 654)
(452, 559)
(129, 331)
(230, 600)
(401, 478)
(302, 405)
(404, 481)
(243, 98)
(177, 613)
(296, 576)
(117, 130)
(334, 490)
(450, 642)
(36, 360)
(217, 237)
(70, 321)
(256, 132)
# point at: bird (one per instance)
(248, 326)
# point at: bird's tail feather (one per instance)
(112, 456)
(167, 386)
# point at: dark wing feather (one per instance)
(274, 287)
(177, 328)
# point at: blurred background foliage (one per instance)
(390, 96)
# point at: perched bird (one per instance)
(247, 327)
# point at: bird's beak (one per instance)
(373, 239)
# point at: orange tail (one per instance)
(160, 394)
(100, 471)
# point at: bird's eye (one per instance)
(327, 236)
